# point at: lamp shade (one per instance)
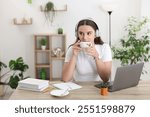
(109, 7)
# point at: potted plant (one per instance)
(49, 11)
(135, 45)
(14, 74)
(60, 30)
(104, 88)
(43, 43)
(43, 74)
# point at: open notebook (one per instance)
(67, 86)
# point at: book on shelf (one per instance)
(33, 84)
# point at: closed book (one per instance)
(32, 89)
(33, 83)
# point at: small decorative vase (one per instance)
(104, 91)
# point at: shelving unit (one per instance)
(57, 10)
(47, 59)
(22, 21)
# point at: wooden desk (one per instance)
(89, 92)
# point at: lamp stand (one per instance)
(109, 12)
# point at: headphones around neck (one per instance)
(97, 33)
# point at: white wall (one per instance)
(145, 11)
(17, 41)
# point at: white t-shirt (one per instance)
(85, 69)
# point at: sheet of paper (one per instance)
(67, 86)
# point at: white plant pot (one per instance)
(43, 47)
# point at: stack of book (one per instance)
(33, 84)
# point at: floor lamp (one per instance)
(109, 12)
(109, 9)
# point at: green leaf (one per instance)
(13, 82)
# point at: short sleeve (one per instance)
(68, 54)
(106, 53)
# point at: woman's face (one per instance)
(86, 33)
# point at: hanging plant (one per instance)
(49, 12)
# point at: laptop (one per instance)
(125, 77)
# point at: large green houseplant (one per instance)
(14, 74)
(135, 45)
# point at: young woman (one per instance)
(88, 64)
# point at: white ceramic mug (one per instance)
(85, 44)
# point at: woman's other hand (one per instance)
(92, 51)
(76, 48)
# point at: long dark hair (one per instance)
(91, 23)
